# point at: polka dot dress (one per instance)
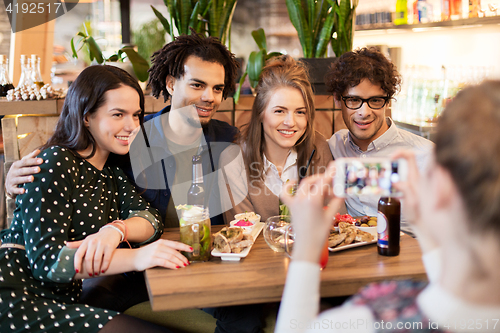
(68, 200)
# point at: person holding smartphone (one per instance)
(453, 207)
(362, 83)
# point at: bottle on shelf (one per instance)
(36, 75)
(474, 8)
(401, 16)
(455, 9)
(388, 226)
(424, 11)
(445, 10)
(196, 193)
(26, 68)
(5, 83)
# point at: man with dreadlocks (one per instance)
(195, 73)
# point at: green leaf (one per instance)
(226, 20)
(296, 14)
(273, 54)
(139, 64)
(254, 67)
(94, 50)
(194, 18)
(325, 35)
(184, 15)
(172, 10)
(237, 93)
(311, 9)
(73, 50)
(162, 19)
(114, 58)
(335, 47)
(259, 36)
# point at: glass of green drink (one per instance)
(195, 232)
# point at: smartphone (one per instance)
(368, 176)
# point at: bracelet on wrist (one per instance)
(125, 230)
(109, 225)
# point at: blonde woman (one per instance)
(277, 144)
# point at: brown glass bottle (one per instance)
(388, 226)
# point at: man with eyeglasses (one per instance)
(362, 83)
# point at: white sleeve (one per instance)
(300, 301)
(432, 264)
(300, 305)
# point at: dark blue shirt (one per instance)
(157, 173)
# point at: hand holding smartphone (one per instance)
(368, 176)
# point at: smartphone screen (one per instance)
(373, 177)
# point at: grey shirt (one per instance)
(394, 139)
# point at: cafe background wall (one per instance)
(433, 47)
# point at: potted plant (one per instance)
(316, 22)
(139, 64)
(149, 38)
(212, 18)
(345, 14)
(256, 61)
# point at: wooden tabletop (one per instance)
(260, 277)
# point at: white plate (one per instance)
(237, 256)
(350, 246)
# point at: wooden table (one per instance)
(260, 277)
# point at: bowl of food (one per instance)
(246, 225)
(248, 216)
(367, 223)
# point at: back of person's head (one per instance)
(84, 97)
(468, 146)
(171, 58)
(280, 72)
(366, 63)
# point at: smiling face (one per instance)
(201, 85)
(365, 124)
(112, 125)
(284, 119)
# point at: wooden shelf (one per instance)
(444, 24)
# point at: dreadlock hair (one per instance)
(171, 58)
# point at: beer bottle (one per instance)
(196, 193)
(388, 226)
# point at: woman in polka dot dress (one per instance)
(70, 220)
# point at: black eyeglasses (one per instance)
(354, 102)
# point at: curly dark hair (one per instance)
(171, 58)
(366, 63)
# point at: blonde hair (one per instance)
(279, 72)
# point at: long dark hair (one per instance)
(84, 97)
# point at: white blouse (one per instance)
(273, 180)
